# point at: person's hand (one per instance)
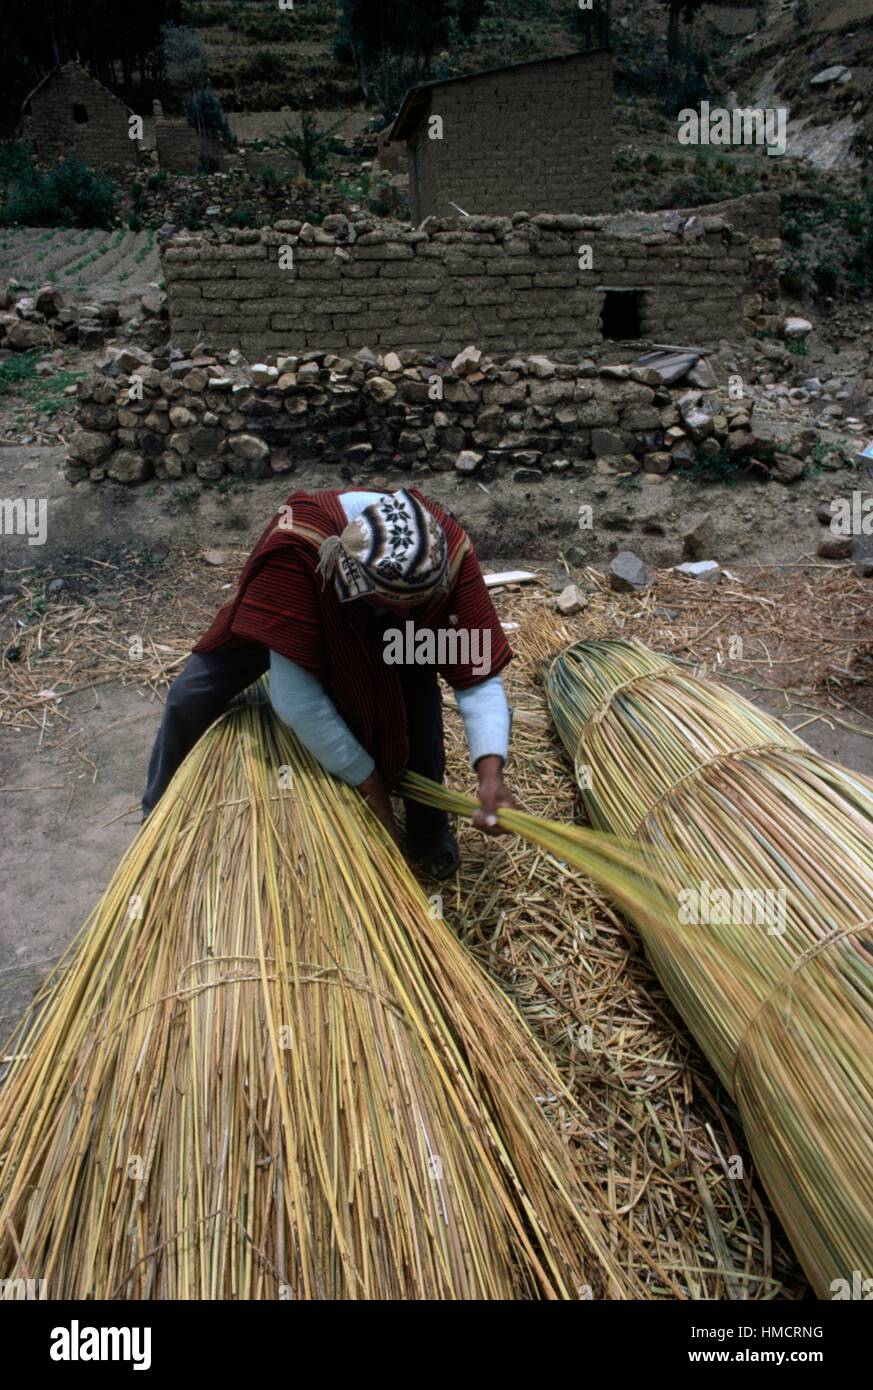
(493, 793)
(375, 793)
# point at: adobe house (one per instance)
(531, 136)
(70, 113)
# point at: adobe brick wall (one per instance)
(508, 284)
(180, 147)
(537, 137)
(101, 141)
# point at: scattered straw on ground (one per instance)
(664, 1139)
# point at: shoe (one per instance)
(439, 859)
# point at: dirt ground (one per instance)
(753, 522)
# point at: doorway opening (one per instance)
(621, 314)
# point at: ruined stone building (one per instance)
(534, 136)
(70, 113)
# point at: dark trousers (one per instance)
(210, 680)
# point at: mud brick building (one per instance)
(70, 113)
(508, 284)
(536, 136)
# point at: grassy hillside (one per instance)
(262, 58)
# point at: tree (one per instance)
(392, 42)
(185, 58)
(594, 26)
(38, 35)
(679, 11)
(187, 69)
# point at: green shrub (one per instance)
(264, 66)
(312, 145)
(826, 276)
(16, 369)
(71, 194)
(242, 217)
(206, 114)
(793, 280)
(190, 215)
(792, 233)
(134, 223)
(269, 178)
(266, 27)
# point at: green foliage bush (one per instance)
(206, 114)
(833, 234)
(794, 280)
(312, 145)
(71, 194)
(190, 215)
(242, 217)
(269, 178)
(264, 66)
(825, 275)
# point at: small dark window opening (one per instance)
(80, 113)
(621, 313)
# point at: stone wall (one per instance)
(181, 149)
(509, 284)
(402, 411)
(178, 146)
(536, 135)
(71, 114)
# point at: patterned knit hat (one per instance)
(396, 550)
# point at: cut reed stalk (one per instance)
(766, 952)
(268, 1069)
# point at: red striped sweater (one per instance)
(281, 602)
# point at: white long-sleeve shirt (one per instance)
(300, 700)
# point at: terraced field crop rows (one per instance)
(92, 264)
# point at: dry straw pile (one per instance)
(267, 1069)
(775, 980)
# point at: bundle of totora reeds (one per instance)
(766, 949)
(267, 1068)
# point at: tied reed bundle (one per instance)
(268, 1070)
(743, 815)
